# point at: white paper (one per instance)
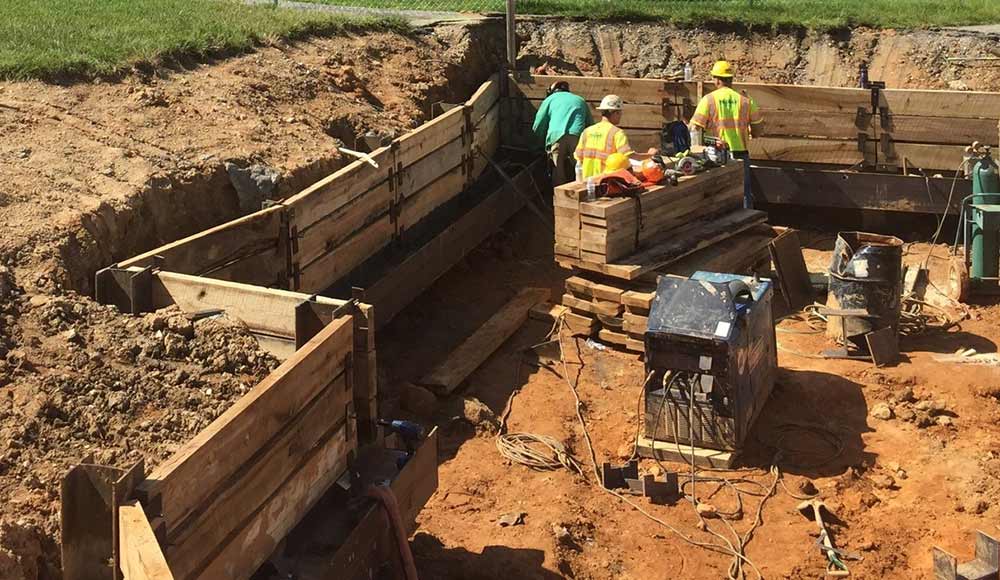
(722, 329)
(861, 268)
(705, 362)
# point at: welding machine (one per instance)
(711, 348)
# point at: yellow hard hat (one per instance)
(616, 162)
(722, 69)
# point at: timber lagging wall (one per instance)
(802, 124)
(311, 240)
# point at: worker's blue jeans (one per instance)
(747, 192)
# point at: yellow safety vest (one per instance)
(597, 142)
(727, 115)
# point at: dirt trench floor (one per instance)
(926, 477)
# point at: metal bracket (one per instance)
(130, 291)
(311, 317)
(862, 118)
(986, 565)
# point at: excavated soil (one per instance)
(95, 172)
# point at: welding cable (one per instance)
(539, 452)
(729, 549)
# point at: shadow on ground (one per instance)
(434, 560)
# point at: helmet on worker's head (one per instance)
(652, 172)
(610, 103)
(616, 162)
(722, 69)
(558, 86)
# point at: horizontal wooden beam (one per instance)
(405, 281)
(850, 190)
(183, 483)
(141, 556)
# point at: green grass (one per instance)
(817, 14)
(57, 38)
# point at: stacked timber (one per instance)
(629, 237)
(616, 311)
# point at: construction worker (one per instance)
(560, 120)
(727, 115)
(600, 141)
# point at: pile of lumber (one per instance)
(616, 311)
(629, 237)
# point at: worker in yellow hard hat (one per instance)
(727, 116)
(603, 139)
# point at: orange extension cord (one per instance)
(388, 499)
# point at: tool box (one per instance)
(711, 347)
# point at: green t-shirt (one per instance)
(561, 113)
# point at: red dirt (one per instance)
(898, 489)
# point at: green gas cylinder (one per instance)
(985, 254)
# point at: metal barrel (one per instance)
(867, 273)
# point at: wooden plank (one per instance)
(699, 236)
(658, 195)
(264, 310)
(343, 187)
(593, 89)
(255, 543)
(800, 99)
(185, 480)
(141, 557)
(593, 307)
(806, 150)
(547, 312)
(635, 344)
(793, 277)
(947, 130)
(635, 324)
(428, 137)
(579, 325)
(252, 241)
(634, 115)
(827, 125)
(736, 255)
(418, 271)
(612, 337)
(668, 451)
(945, 158)
(229, 508)
(588, 288)
(419, 205)
(485, 99)
(487, 139)
(932, 103)
(328, 268)
(472, 353)
(637, 299)
(873, 191)
(348, 222)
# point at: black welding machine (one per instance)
(710, 347)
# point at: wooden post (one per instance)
(511, 36)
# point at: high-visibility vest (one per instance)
(597, 142)
(727, 115)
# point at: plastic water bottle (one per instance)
(579, 171)
(688, 71)
(591, 189)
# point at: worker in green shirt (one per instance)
(560, 120)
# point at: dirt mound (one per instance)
(79, 379)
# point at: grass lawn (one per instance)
(51, 38)
(820, 14)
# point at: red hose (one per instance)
(388, 499)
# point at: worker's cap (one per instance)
(558, 86)
(610, 103)
(722, 69)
